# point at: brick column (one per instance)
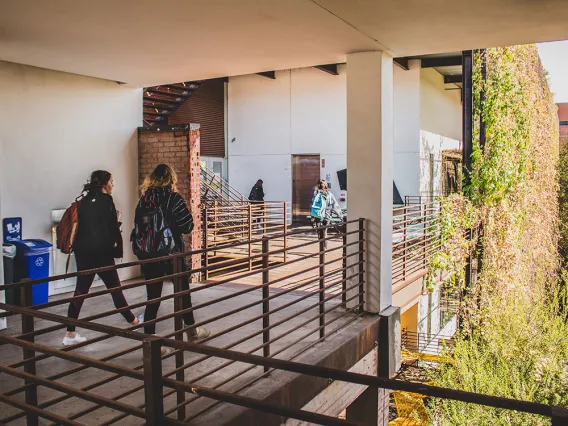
(178, 146)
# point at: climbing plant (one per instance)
(513, 342)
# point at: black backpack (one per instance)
(151, 236)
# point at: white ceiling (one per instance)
(149, 42)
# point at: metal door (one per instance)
(305, 174)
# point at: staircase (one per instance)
(224, 208)
(230, 218)
(216, 192)
(161, 101)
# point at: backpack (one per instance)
(151, 236)
(319, 206)
(66, 230)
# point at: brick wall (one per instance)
(177, 146)
(563, 118)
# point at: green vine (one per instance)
(514, 341)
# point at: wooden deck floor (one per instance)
(294, 309)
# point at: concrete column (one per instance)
(370, 167)
(365, 409)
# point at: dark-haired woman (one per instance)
(97, 244)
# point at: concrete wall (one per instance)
(55, 128)
(440, 127)
(431, 147)
(440, 106)
(407, 129)
(302, 111)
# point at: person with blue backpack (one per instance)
(161, 219)
(324, 205)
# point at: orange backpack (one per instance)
(67, 228)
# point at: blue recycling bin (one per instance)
(32, 261)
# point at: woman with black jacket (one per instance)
(97, 244)
(160, 189)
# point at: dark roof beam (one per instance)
(453, 79)
(401, 62)
(329, 68)
(449, 61)
(268, 74)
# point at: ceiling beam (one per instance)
(401, 62)
(268, 74)
(450, 61)
(449, 79)
(329, 68)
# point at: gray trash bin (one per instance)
(9, 257)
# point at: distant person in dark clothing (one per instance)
(256, 196)
(97, 244)
(257, 192)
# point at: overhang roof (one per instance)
(151, 42)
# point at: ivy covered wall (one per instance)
(514, 342)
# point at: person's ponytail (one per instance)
(99, 178)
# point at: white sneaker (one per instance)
(140, 320)
(197, 333)
(68, 341)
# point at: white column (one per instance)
(370, 167)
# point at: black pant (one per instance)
(316, 223)
(154, 291)
(84, 282)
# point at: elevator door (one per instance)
(305, 174)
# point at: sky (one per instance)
(554, 57)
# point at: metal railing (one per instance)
(416, 236)
(123, 374)
(275, 311)
(244, 224)
(410, 200)
(425, 343)
(156, 383)
(215, 189)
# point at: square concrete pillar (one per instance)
(370, 168)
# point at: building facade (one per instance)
(274, 124)
(563, 122)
